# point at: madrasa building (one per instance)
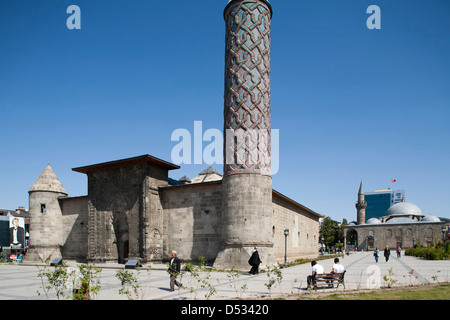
(403, 225)
(133, 210)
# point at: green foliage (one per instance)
(275, 276)
(331, 232)
(389, 278)
(188, 267)
(233, 276)
(202, 262)
(3, 256)
(82, 280)
(423, 292)
(88, 283)
(57, 279)
(200, 278)
(431, 253)
(129, 283)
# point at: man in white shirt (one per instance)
(316, 269)
(337, 267)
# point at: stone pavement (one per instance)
(21, 282)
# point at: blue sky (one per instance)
(350, 103)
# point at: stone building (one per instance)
(134, 210)
(403, 225)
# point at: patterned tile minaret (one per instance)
(247, 181)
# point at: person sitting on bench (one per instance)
(336, 268)
(316, 269)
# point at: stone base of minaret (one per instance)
(246, 221)
(237, 256)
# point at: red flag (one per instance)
(393, 180)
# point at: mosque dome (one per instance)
(400, 220)
(373, 221)
(404, 209)
(430, 218)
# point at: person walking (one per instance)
(387, 253)
(254, 261)
(174, 270)
(376, 254)
(399, 252)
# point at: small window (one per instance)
(43, 209)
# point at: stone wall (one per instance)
(303, 228)
(75, 227)
(192, 216)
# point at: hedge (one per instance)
(430, 253)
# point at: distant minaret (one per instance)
(361, 207)
(247, 181)
(46, 225)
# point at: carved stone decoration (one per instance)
(247, 87)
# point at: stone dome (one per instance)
(404, 209)
(373, 221)
(400, 220)
(430, 218)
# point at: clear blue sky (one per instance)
(351, 103)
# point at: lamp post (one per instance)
(286, 233)
(322, 246)
(444, 229)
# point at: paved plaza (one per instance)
(21, 282)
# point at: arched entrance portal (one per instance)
(120, 225)
(123, 248)
(370, 243)
(352, 239)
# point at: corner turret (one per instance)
(46, 227)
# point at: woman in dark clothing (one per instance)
(254, 261)
(387, 253)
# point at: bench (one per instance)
(328, 279)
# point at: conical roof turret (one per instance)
(48, 181)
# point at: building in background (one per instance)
(380, 201)
(402, 224)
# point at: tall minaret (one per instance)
(247, 181)
(46, 225)
(361, 207)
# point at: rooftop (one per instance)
(126, 162)
(48, 181)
